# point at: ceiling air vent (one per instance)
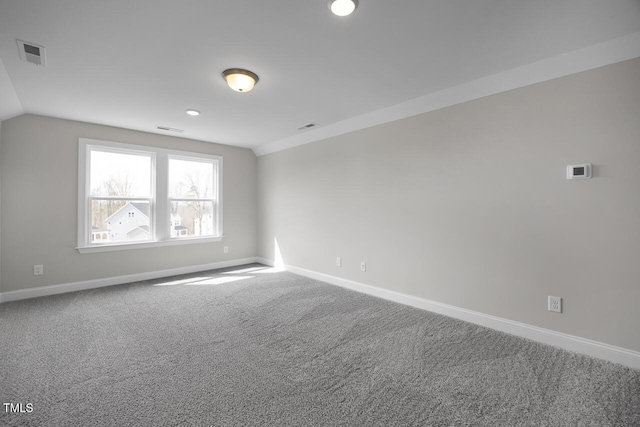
(31, 52)
(307, 126)
(168, 129)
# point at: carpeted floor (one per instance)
(250, 346)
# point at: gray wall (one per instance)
(469, 205)
(0, 206)
(39, 170)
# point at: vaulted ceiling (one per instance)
(140, 64)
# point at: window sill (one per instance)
(145, 245)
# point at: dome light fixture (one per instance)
(239, 79)
(193, 112)
(343, 7)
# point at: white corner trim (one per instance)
(573, 343)
(109, 281)
(598, 55)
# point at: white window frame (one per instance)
(159, 220)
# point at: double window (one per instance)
(133, 196)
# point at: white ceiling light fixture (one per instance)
(193, 112)
(343, 7)
(239, 79)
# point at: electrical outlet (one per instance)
(226, 249)
(363, 266)
(38, 270)
(338, 262)
(555, 304)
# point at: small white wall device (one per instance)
(582, 171)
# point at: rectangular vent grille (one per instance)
(307, 126)
(168, 129)
(31, 52)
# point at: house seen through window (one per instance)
(135, 194)
(120, 183)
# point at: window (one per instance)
(120, 183)
(132, 196)
(192, 196)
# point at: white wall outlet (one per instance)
(338, 262)
(363, 266)
(555, 304)
(226, 249)
(38, 270)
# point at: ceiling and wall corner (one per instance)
(139, 65)
(9, 103)
(591, 57)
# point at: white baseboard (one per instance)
(573, 343)
(265, 261)
(98, 283)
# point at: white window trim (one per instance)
(160, 197)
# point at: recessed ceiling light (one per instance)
(240, 80)
(193, 112)
(343, 7)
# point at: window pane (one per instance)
(120, 221)
(190, 219)
(119, 174)
(190, 179)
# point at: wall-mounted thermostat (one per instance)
(579, 171)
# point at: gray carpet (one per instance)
(275, 349)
